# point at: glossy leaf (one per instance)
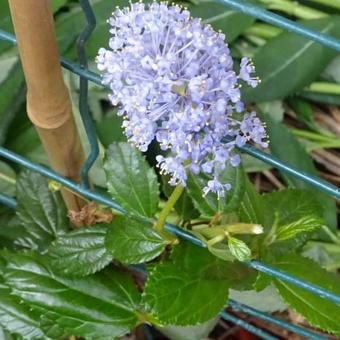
(320, 312)
(220, 17)
(99, 306)
(291, 217)
(290, 54)
(293, 153)
(17, 318)
(41, 212)
(306, 224)
(210, 205)
(189, 288)
(290, 205)
(81, 252)
(133, 242)
(131, 182)
(239, 249)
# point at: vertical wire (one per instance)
(83, 93)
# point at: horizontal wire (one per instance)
(237, 306)
(322, 185)
(247, 326)
(315, 181)
(278, 274)
(282, 22)
(259, 266)
(8, 201)
(306, 177)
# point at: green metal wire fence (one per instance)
(85, 75)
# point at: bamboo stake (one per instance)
(48, 102)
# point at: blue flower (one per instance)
(173, 80)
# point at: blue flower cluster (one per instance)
(173, 80)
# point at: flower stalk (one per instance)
(174, 197)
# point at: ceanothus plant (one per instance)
(173, 81)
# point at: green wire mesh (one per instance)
(85, 75)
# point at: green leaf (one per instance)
(101, 306)
(22, 138)
(222, 251)
(231, 23)
(133, 242)
(16, 317)
(131, 182)
(304, 112)
(5, 335)
(184, 206)
(239, 249)
(57, 4)
(251, 208)
(305, 224)
(289, 54)
(81, 252)
(42, 213)
(321, 97)
(290, 205)
(189, 288)
(69, 25)
(251, 164)
(210, 205)
(7, 179)
(5, 24)
(12, 96)
(320, 312)
(109, 130)
(13, 235)
(294, 154)
(290, 218)
(332, 72)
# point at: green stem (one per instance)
(331, 235)
(270, 238)
(264, 31)
(176, 194)
(324, 87)
(293, 8)
(329, 3)
(7, 178)
(317, 146)
(312, 136)
(256, 40)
